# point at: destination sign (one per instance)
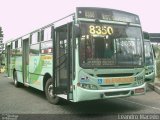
(97, 29)
(100, 30)
(107, 14)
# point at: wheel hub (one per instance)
(50, 90)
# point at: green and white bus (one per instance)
(149, 58)
(94, 53)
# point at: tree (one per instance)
(1, 32)
(1, 39)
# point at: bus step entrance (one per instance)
(26, 84)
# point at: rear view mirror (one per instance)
(77, 30)
(154, 51)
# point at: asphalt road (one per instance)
(26, 101)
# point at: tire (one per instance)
(16, 83)
(53, 99)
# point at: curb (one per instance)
(154, 87)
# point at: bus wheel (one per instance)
(49, 92)
(16, 83)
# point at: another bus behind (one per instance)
(149, 59)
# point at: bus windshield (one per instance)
(108, 45)
(148, 53)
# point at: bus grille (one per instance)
(116, 93)
(115, 75)
(119, 85)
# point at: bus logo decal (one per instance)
(99, 81)
(84, 79)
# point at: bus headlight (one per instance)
(88, 86)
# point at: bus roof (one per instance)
(111, 13)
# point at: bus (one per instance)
(149, 58)
(91, 54)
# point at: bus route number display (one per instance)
(100, 30)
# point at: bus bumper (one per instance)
(85, 94)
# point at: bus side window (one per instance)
(42, 35)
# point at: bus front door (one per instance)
(63, 62)
(25, 59)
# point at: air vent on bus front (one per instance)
(115, 75)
